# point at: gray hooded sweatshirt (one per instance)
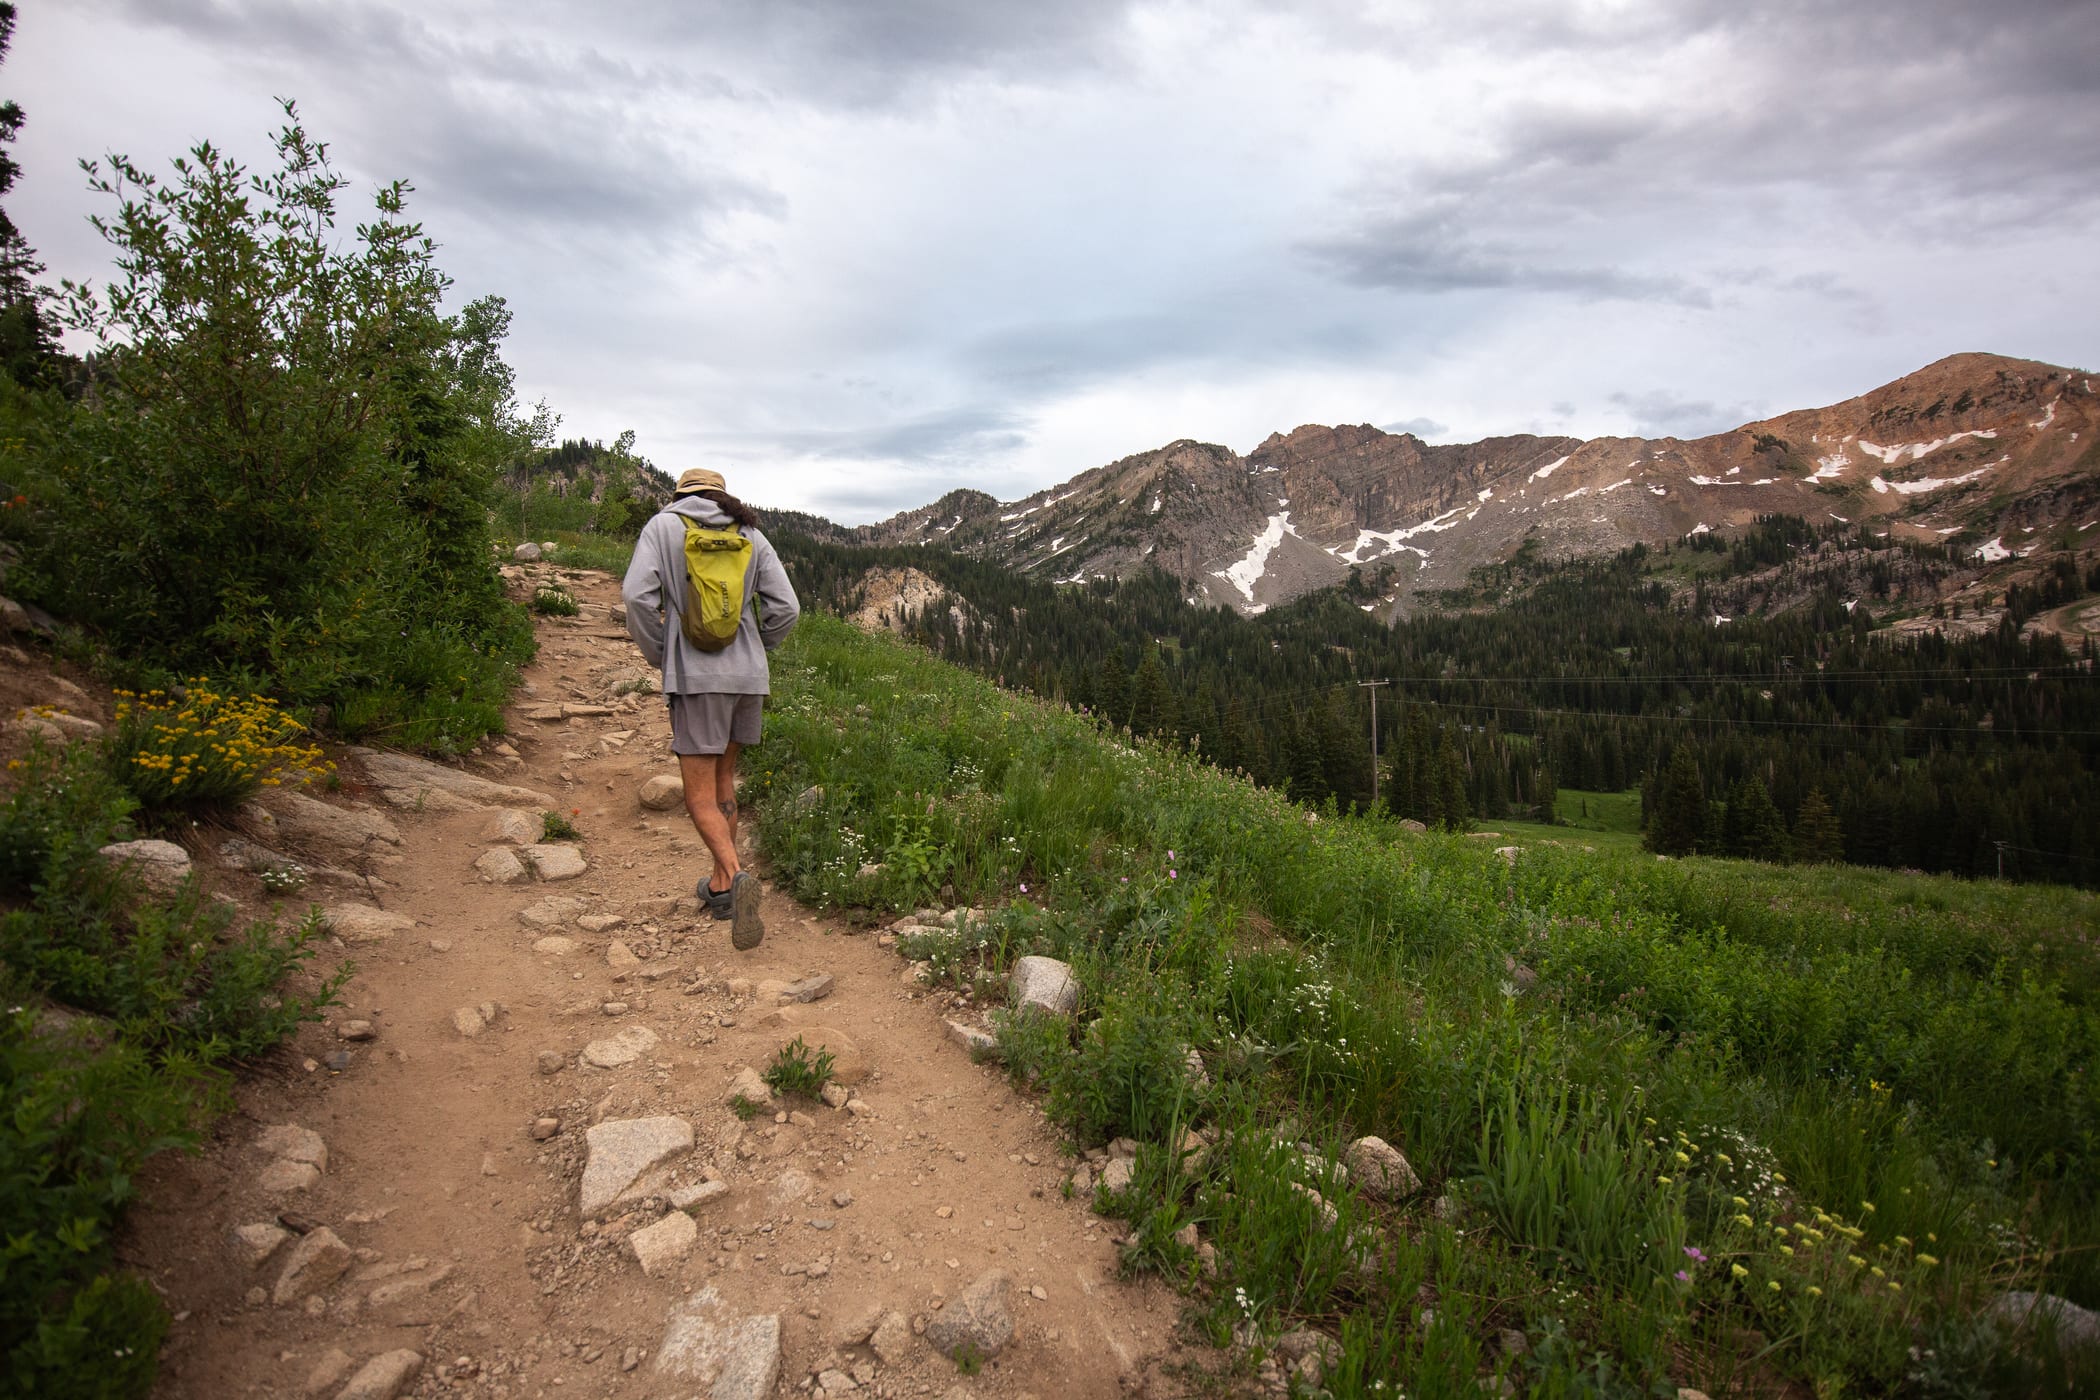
(655, 586)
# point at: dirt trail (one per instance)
(468, 1246)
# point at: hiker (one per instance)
(710, 635)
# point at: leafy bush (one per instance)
(175, 992)
(84, 1111)
(61, 796)
(280, 472)
(554, 826)
(205, 749)
(796, 1069)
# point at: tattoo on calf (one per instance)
(727, 809)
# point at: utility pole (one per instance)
(2001, 858)
(1372, 686)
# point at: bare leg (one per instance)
(725, 788)
(716, 827)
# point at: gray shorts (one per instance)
(706, 724)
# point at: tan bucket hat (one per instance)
(699, 479)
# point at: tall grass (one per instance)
(1546, 1040)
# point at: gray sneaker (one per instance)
(746, 929)
(715, 902)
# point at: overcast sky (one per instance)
(859, 252)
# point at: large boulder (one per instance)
(397, 772)
(1044, 983)
(2076, 1329)
(617, 1153)
(158, 865)
(975, 1322)
(526, 553)
(320, 825)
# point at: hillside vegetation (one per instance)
(1692, 1122)
(1594, 674)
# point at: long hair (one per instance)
(735, 509)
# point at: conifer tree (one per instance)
(1679, 820)
(1817, 837)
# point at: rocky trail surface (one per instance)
(508, 1164)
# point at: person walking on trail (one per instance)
(706, 600)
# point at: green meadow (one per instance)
(1677, 1123)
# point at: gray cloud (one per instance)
(1427, 429)
(1660, 413)
(869, 252)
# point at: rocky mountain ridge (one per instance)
(1998, 456)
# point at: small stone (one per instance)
(1379, 1169)
(859, 1108)
(842, 1199)
(1115, 1176)
(1038, 1292)
(513, 828)
(749, 1085)
(617, 1154)
(440, 945)
(623, 1048)
(833, 1095)
(554, 946)
(256, 1297)
(551, 912)
(339, 1060)
(698, 1194)
(812, 988)
(554, 860)
(619, 957)
(282, 1176)
(614, 1008)
(158, 865)
(544, 1128)
(661, 1247)
(499, 865)
(552, 1062)
(663, 793)
(356, 1030)
(976, 1321)
(600, 923)
(361, 923)
(319, 1259)
(468, 1021)
(1043, 983)
(328, 1372)
(257, 1242)
(891, 1339)
(970, 1038)
(835, 1382)
(856, 1327)
(294, 1144)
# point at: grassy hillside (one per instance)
(1679, 1122)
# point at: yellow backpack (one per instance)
(717, 564)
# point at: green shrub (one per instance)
(1129, 1075)
(280, 474)
(85, 1110)
(63, 796)
(554, 826)
(799, 1070)
(553, 600)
